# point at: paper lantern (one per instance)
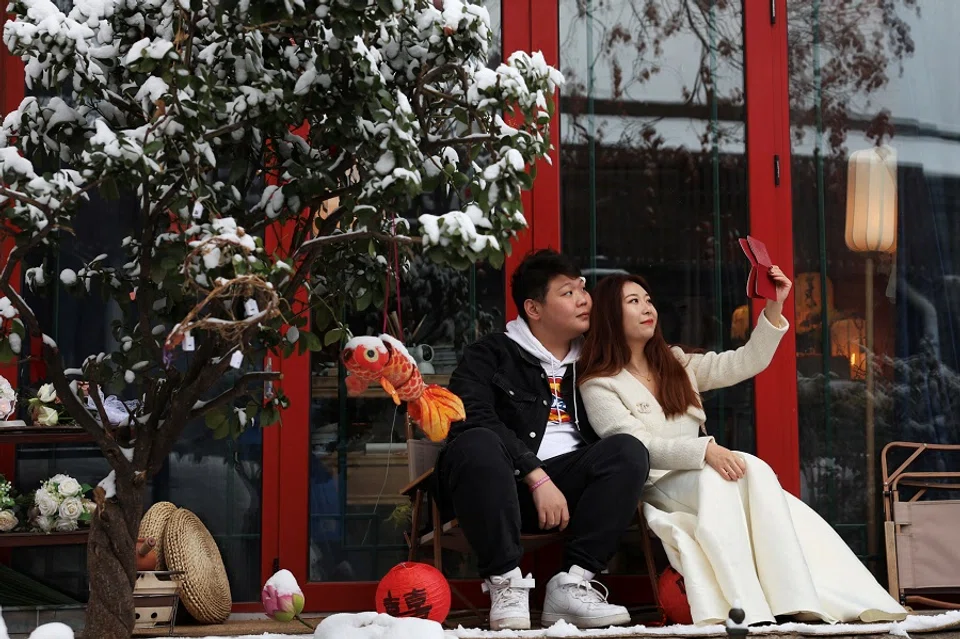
(673, 597)
(848, 340)
(872, 200)
(414, 590)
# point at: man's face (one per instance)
(565, 312)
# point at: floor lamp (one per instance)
(871, 228)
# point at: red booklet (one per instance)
(759, 283)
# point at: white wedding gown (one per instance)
(751, 542)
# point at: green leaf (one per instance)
(321, 317)
(269, 416)
(526, 181)
(18, 328)
(153, 147)
(214, 419)
(363, 302)
(6, 353)
(85, 488)
(333, 335)
(496, 260)
(222, 430)
(310, 341)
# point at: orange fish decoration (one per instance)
(385, 360)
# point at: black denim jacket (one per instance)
(504, 388)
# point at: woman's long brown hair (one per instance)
(606, 352)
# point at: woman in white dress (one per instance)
(726, 524)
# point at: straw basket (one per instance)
(189, 548)
(154, 524)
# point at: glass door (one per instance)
(670, 146)
(343, 460)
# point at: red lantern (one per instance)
(673, 597)
(414, 590)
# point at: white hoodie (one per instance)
(562, 434)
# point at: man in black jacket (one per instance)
(527, 459)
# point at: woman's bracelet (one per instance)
(540, 482)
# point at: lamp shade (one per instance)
(872, 200)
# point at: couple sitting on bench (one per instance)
(567, 428)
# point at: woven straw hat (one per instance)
(204, 588)
(154, 524)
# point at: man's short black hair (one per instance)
(532, 277)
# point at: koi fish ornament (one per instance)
(385, 360)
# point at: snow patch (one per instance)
(109, 485)
(285, 583)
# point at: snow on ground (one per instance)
(913, 624)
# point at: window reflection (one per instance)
(860, 79)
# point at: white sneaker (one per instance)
(509, 600)
(572, 598)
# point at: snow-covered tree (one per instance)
(225, 120)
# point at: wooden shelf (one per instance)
(16, 540)
(44, 435)
(329, 387)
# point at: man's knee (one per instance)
(477, 448)
(628, 455)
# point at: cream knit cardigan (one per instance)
(621, 404)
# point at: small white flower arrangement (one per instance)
(59, 505)
(46, 408)
(8, 507)
(8, 399)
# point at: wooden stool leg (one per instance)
(415, 526)
(437, 532)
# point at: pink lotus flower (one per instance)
(282, 598)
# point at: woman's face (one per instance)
(639, 315)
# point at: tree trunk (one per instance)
(111, 562)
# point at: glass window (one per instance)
(654, 171)
(358, 460)
(875, 122)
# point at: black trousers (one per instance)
(601, 481)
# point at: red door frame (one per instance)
(771, 220)
(12, 92)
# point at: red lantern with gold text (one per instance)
(413, 589)
(673, 597)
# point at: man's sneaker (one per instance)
(572, 597)
(509, 600)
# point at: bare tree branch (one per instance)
(240, 387)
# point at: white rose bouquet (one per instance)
(46, 408)
(8, 507)
(60, 505)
